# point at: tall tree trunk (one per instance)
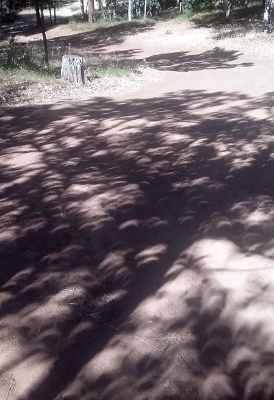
(145, 9)
(10, 5)
(229, 10)
(45, 42)
(269, 16)
(54, 14)
(82, 7)
(50, 16)
(37, 13)
(114, 2)
(129, 10)
(91, 11)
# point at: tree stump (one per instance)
(72, 69)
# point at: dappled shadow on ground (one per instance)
(137, 249)
(21, 25)
(183, 61)
(25, 25)
(103, 37)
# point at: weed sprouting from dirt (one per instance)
(96, 312)
(111, 66)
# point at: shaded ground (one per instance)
(100, 296)
(137, 241)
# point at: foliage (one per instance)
(9, 9)
(154, 7)
(109, 70)
(20, 57)
(31, 57)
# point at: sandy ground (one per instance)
(137, 235)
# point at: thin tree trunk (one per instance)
(91, 11)
(145, 9)
(228, 11)
(54, 15)
(114, 8)
(37, 12)
(50, 16)
(269, 16)
(10, 5)
(82, 7)
(45, 42)
(129, 10)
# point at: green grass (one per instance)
(111, 71)
(76, 24)
(27, 76)
(112, 67)
(3, 42)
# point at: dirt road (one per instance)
(137, 237)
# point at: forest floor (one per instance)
(137, 224)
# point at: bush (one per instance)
(193, 6)
(7, 16)
(20, 57)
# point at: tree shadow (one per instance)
(104, 36)
(184, 62)
(136, 255)
(25, 25)
(12, 92)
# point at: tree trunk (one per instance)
(269, 16)
(129, 10)
(37, 12)
(91, 11)
(45, 42)
(82, 7)
(50, 16)
(72, 69)
(228, 11)
(145, 9)
(54, 15)
(10, 6)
